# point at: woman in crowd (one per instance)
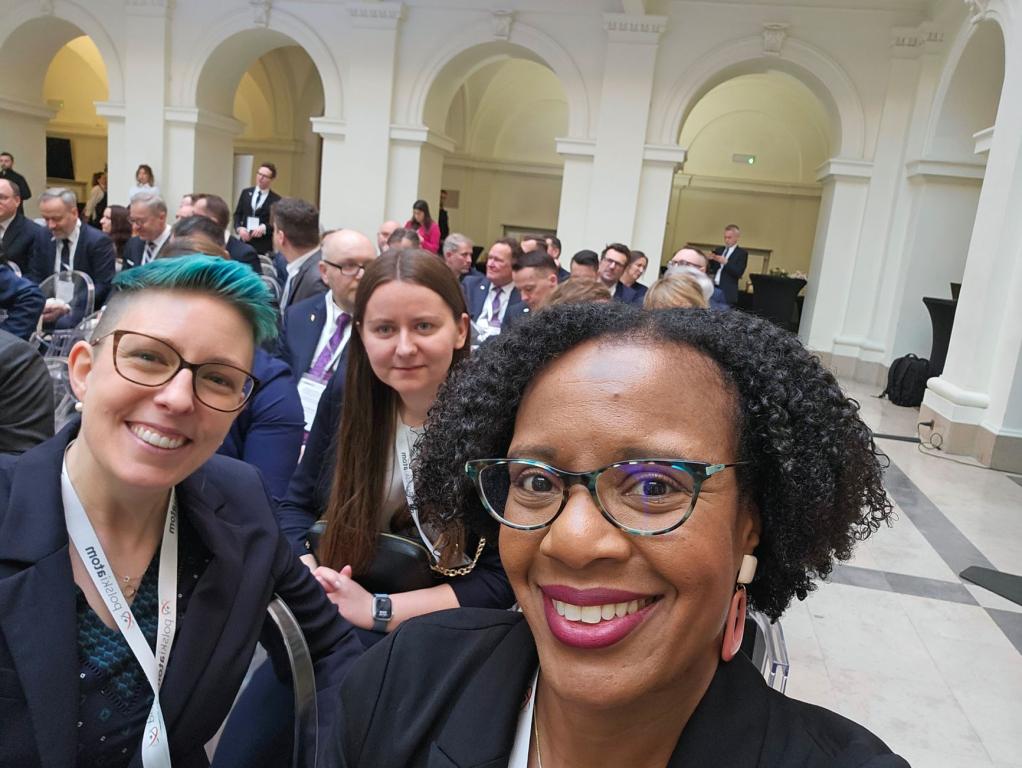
(144, 182)
(124, 535)
(636, 269)
(633, 531)
(422, 224)
(676, 290)
(95, 206)
(116, 224)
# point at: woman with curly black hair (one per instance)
(648, 473)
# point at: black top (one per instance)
(446, 690)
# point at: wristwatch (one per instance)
(383, 612)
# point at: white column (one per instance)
(332, 181)
(146, 74)
(24, 135)
(202, 145)
(629, 64)
(355, 194)
(842, 206)
(874, 262)
(576, 183)
(118, 175)
(977, 401)
(416, 164)
(656, 184)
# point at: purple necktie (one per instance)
(319, 368)
(495, 308)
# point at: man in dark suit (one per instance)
(18, 234)
(553, 247)
(151, 231)
(307, 338)
(489, 298)
(457, 253)
(726, 267)
(71, 246)
(7, 172)
(26, 396)
(613, 262)
(296, 236)
(252, 218)
(215, 208)
(21, 302)
(535, 276)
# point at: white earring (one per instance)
(748, 570)
(79, 406)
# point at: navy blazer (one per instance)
(268, 432)
(732, 272)
(306, 283)
(243, 252)
(94, 255)
(307, 497)
(626, 295)
(475, 287)
(243, 210)
(21, 238)
(481, 664)
(133, 252)
(515, 313)
(23, 302)
(226, 504)
(302, 327)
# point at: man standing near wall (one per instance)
(727, 265)
(7, 172)
(252, 214)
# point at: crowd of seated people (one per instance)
(380, 432)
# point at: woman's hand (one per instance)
(352, 601)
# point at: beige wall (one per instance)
(77, 79)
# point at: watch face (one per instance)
(382, 608)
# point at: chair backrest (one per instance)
(764, 644)
(306, 739)
(84, 294)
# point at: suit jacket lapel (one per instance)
(490, 719)
(37, 600)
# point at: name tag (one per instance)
(310, 390)
(252, 222)
(64, 290)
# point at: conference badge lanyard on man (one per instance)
(155, 739)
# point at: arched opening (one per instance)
(49, 113)
(948, 182)
(754, 143)
(502, 108)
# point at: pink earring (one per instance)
(734, 630)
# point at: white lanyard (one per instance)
(155, 739)
(403, 446)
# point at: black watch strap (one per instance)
(382, 612)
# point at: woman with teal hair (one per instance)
(135, 565)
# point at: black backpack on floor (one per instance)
(906, 380)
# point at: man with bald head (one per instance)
(383, 235)
(18, 234)
(315, 334)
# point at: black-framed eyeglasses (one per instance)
(350, 269)
(152, 362)
(644, 497)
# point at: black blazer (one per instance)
(26, 418)
(226, 503)
(733, 271)
(475, 287)
(134, 250)
(461, 677)
(306, 283)
(626, 295)
(93, 255)
(243, 210)
(243, 252)
(21, 238)
(22, 302)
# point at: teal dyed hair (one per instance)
(231, 281)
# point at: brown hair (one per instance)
(365, 438)
(216, 208)
(578, 290)
(674, 291)
(298, 219)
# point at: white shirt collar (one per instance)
(294, 266)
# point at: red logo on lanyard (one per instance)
(126, 617)
(154, 735)
(165, 608)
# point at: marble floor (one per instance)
(895, 640)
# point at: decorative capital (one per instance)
(375, 15)
(261, 12)
(502, 23)
(632, 28)
(774, 35)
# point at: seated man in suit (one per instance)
(150, 229)
(585, 264)
(457, 253)
(26, 396)
(613, 262)
(18, 235)
(542, 243)
(553, 247)
(535, 277)
(315, 334)
(296, 237)
(215, 208)
(71, 246)
(727, 265)
(253, 214)
(488, 298)
(21, 302)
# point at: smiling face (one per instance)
(498, 264)
(60, 217)
(410, 336)
(147, 223)
(580, 414)
(119, 418)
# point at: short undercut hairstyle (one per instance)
(298, 220)
(586, 259)
(197, 225)
(540, 260)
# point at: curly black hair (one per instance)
(813, 469)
